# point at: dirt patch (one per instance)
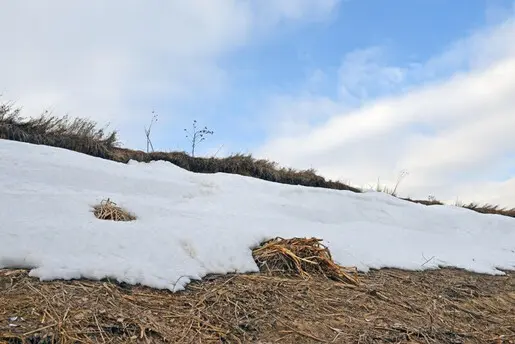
(389, 306)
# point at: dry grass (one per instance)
(423, 201)
(301, 256)
(240, 164)
(108, 210)
(389, 306)
(80, 135)
(489, 209)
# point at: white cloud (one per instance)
(113, 60)
(498, 193)
(277, 10)
(450, 131)
(364, 73)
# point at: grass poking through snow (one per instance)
(108, 210)
(78, 134)
(301, 256)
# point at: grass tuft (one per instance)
(245, 165)
(489, 209)
(79, 134)
(108, 210)
(301, 256)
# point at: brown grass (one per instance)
(422, 201)
(240, 164)
(301, 256)
(108, 210)
(81, 135)
(490, 209)
(389, 306)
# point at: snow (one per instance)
(191, 224)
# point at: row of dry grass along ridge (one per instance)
(77, 134)
(82, 135)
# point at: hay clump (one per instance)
(302, 256)
(108, 210)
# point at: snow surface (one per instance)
(191, 224)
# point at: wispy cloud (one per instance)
(364, 74)
(113, 61)
(447, 120)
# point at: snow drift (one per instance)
(189, 225)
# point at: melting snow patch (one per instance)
(189, 225)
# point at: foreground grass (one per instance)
(394, 306)
(83, 136)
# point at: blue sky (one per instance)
(359, 90)
(408, 32)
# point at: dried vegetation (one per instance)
(108, 210)
(305, 257)
(80, 135)
(389, 306)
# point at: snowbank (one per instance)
(190, 224)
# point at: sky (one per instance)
(362, 91)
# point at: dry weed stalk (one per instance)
(108, 210)
(303, 256)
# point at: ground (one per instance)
(389, 306)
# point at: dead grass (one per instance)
(240, 164)
(80, 135)
(301, 256)
(423, 201)
(389, 306)
(108, 210)
(490, 209)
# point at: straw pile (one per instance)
(108, 210)
(302, 256)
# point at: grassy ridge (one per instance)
(240, 164)
(77, 134)
(83, 136)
